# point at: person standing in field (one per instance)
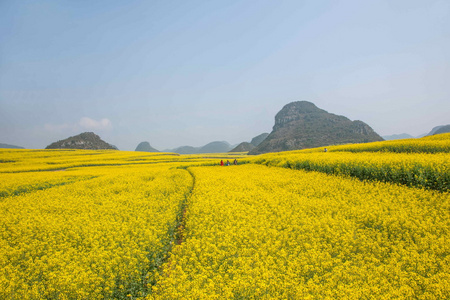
(228, 162)
(221, 162)
(235, 162)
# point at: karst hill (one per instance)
(301, 125)
(145, 147)
(85, 140)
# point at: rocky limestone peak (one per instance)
(301, 125)
(85, 140)
(295, 111)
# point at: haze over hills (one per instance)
(259, 139)
(436, 130)
(440, 129)
(302, 125)
(246, 146)
(85, 140)
(184, 150)
(213, 147)
(243, 147)
(7, 146)
(400, 136)
(220, 146)
(298, 125)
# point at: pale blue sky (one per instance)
(190, 72)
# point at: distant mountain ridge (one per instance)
(436, 130)
(301, 124)
(7, 146)
(213, 147)
(400, 136)
(184, 150)
(85, 140)
(440, 129)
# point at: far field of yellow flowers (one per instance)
(366, 221)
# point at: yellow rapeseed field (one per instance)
(367, 221)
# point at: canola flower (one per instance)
(102, 237)
(257, 232)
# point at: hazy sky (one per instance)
(190, 72)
